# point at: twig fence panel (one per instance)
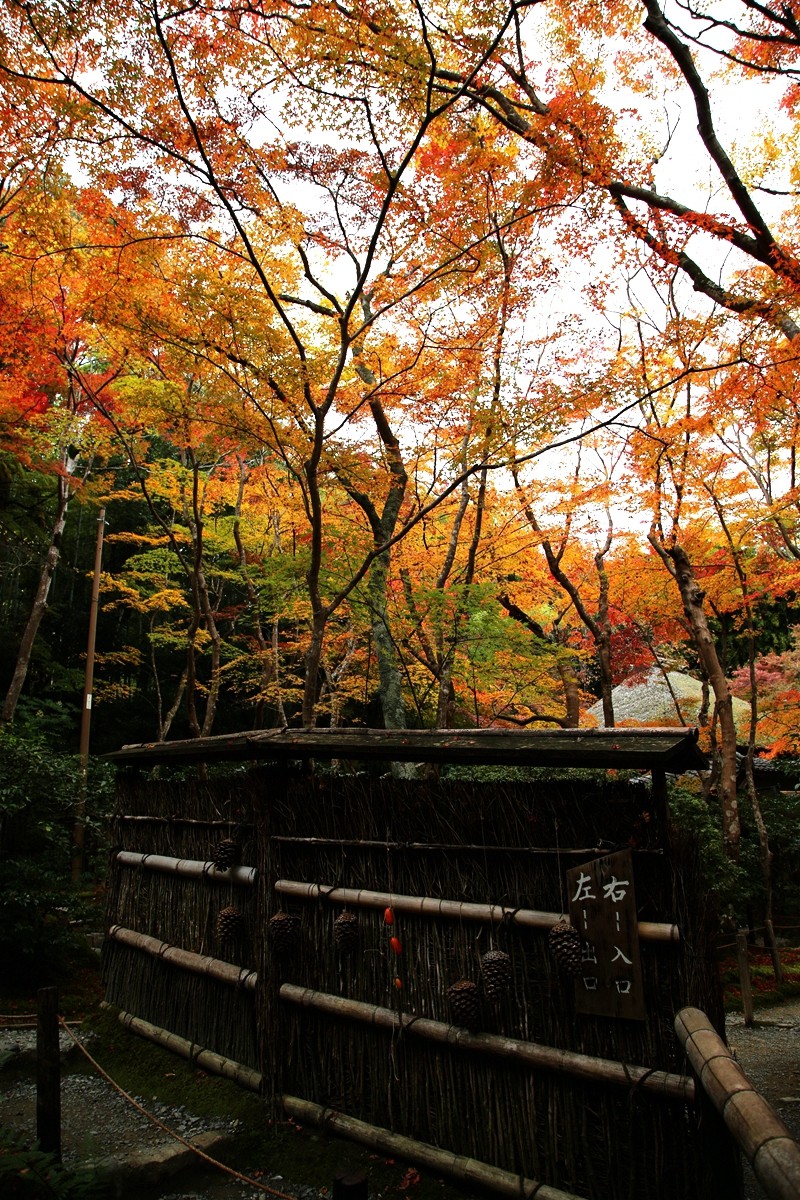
(364, 1025)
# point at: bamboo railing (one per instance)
(466, 1170)
(193, 868)
(207, 1060)
(770, 1148)
(584, 1066)
(187, 960)
(495, 914)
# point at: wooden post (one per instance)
(350, 1185)
(744, 975)
(48, 1073)
(79, 828)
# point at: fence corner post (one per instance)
(48, 1073)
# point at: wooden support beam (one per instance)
(429, 906)
(466, 1170)
(531, 1054)
(762, 1135)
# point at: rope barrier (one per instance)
(261, 1187)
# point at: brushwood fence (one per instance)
(360, 1023)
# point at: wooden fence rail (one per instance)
(193, 868)
(187, 960)
(207, 1060)
(495, 914)
(466, 1170)
(584, 1066)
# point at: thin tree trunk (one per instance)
(765, 851)
(267, 655)
(390, 688)
(599, 625)
(383, 525)
(276, 667)
(313, 664)
(572, 698)
(203, 612)
(603, 638)
(172, 712)
(692, 597)
(39, 605)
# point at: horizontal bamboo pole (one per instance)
(762, 1135)
(207, 1060)
(192, 868)
(466, 1170)
(456, 846)
(529, 918)
(187, 960)
(583, 1066)
(216, 823)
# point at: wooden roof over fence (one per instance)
(666, 749)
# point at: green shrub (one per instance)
(31, 1174)
(41, 911)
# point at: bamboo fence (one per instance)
(594, 1107)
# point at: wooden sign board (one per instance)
(602, 907)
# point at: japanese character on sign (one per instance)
(616, 889)
(619, 955)
(583, 892)
(590, 983)
(623, 986)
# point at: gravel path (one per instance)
(769, 1054)
(98, 1122)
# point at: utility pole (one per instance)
(79, 830)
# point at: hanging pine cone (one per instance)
(284, 931)
(226, 854)
(345, 931)
(229, 921)
(496, 972)
(566, 947)
(465, 1004)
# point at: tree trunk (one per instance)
(383, 525)
(40, 599)
(390, 690)
(267, 655)
(446, 696)
(599, 625)
(603, 635)
(692, 596)
(166, 724)
(765, 852)
(572, 699)
(603, 653)
(313, 664)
